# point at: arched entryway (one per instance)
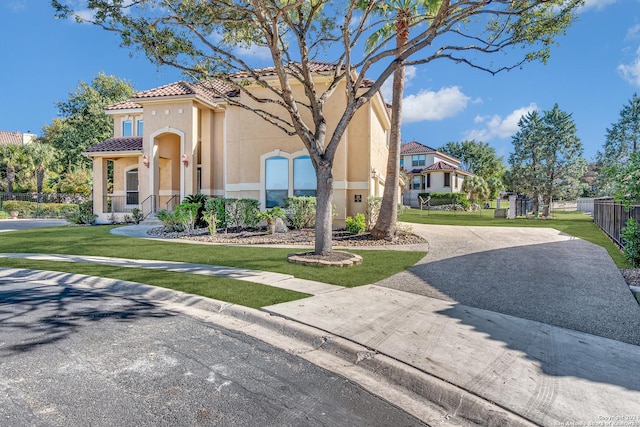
(166, 170)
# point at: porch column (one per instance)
(99, 184)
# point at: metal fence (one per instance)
(612, 217)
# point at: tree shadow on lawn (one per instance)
(35, 312)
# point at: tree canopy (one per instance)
(209, 39)
(622, 140)
(476, 157)
(83, 121)
(547, 157)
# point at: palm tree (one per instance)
(476, 187)
(42, 157)
(13, 155)
(407, 13)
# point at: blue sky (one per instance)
(592, 74)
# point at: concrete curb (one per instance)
(415, 391)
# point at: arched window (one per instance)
(276, 181)
(304, 177)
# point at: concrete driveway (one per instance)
(537, 274)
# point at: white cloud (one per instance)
(633, 32)
(496, 126)
(430, 105)
(631, 72)
(253, 51)
(85, 14)
(597, 4)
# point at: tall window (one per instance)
(428, 180)
(416, 182)
(401, 162)
(127, 128)
(447, 179)
(304, 177)
(276, 181)
(139, 128)
(132, 186)
(418, 160)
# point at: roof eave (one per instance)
(123, 111)
(127, 153)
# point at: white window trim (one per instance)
(263, 171)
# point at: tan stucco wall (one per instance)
(233, 145)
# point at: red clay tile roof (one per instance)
(128, 143)
(214, 89)
(14, 138)
(124, 105)
(415, 147)
(442, 166)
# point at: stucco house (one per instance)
(181, 139)
(429, 171)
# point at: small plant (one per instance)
(270, 216)
(169, 220)
(200, 200)
(83, 216)
(127, 219)
(136, 216)
(301, 211)
(631, 236)
(187, 214)
(373, 210)
(356, 225)
(209, 217)
(113, 219)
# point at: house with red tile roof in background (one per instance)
(429, 171)
(184, 138)
(16, 138)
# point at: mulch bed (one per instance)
(304, 237)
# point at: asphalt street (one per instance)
(74, 357)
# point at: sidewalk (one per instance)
(429, 328)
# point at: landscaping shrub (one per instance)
(249, 210)
(29, 209)
(187, 214)
(170, 220)
(439, 199)
(201, 200)
(300, 211)
(84, 215)
(240, 213)
(136, 216)
(373, 210)
(631, 237)
(356, 225)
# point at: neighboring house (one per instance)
(16, 138)
(182, 139)
(429, 171)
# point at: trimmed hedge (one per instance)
(439, 199)
(39, 210)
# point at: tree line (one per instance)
(53, 162)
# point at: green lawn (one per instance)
(98, 241)
(570, 222)
(376, 265)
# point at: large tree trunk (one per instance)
(324, 209)
(386, 225)
(40, 172)
(11, 177)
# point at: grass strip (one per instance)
(97, 241)
(239, 292)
